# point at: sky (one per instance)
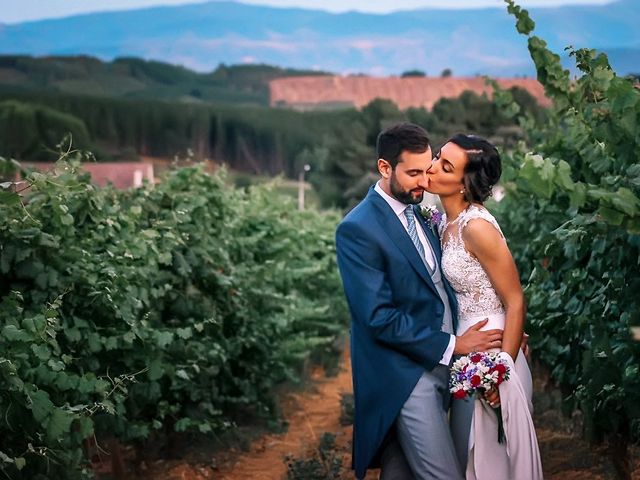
(16, 11)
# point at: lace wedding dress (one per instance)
(473, 421)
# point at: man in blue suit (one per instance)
(403, 320)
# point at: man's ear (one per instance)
(384, 168)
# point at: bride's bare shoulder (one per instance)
(481, 233)
(478, 217)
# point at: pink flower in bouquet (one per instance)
(476, 357)
(459, 394)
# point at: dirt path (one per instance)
(310, 414)
(317, 410)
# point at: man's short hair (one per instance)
(401, 137)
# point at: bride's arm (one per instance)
(486, 243)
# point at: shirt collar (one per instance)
(397, 206)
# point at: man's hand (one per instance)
(473, 340)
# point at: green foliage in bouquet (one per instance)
(174, 307)
(572, 215)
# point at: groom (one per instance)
(403, 320)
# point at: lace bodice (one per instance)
(475, 294)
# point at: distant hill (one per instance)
(201, 36)
(310, 93)
(139, 79)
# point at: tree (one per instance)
(32, 132)
(413, 73)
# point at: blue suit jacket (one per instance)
(396, 318)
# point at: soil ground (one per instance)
(316, 410)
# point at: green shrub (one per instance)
(169, 308)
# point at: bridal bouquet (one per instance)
(478, 372)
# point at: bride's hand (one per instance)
(493, 397)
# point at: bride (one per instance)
(478, 264)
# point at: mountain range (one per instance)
(202, 36)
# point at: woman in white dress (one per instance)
(478, 264)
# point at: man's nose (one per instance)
(423, 180)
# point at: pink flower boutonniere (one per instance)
(432, 215)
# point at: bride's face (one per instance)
(445, 177)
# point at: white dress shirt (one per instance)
(398, 208)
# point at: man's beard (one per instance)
(404, 196)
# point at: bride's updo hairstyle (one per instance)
(483, 167)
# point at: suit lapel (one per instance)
(396, 232)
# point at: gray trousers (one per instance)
(461, 417)
(423, 434)
(393, 463)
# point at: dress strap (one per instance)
(473, 212)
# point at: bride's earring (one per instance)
(462, 191)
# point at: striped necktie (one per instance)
(413, 234)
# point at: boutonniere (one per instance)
(432, 215)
